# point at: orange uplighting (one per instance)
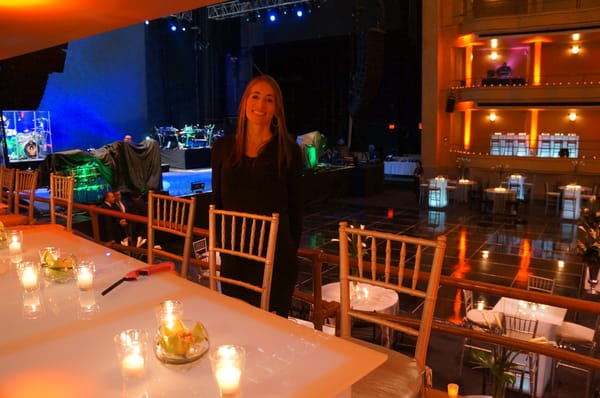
(468, 65)
(523, 272)
(460, 271)
(533, 129)
(537, 63)
(465, 40)
(467, 132)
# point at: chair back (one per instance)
(244, 235)
(468, 297)
(25, 184)
(405, 262)
(61, 199)
(520, 328)
(175, 216)
(540, 284)
(7, 186)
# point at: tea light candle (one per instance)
(228, 377)
(452, 390)
(132, 366)
(480, 305)
(29, 278)
(85, 278)
(14, 249)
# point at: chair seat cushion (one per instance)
(399, 376)
(574, 333)
(485, 318)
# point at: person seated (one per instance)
(110, 227)
(504, 71)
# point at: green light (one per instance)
(311, 156)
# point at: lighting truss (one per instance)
(237, 8)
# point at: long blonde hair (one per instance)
(278, 125)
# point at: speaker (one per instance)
(450, 102)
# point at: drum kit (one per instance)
(187, 137)
(26, 133)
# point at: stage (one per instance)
(189, 158)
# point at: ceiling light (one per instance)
(494, 43)
(572, 116)
(492, 116)
(575, 36)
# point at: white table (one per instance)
(399, 167)
(499, 196)
(365, 297)
(549, 318)
(571, 208)
(59, 354)
(442, 199)
(463, 187)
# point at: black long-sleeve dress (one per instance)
(256, 186)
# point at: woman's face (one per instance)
(260, 105)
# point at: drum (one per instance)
(30, 149)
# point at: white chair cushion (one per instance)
(574, 333)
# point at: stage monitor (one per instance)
(27, 135)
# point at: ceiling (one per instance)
(31, 25)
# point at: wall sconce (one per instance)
(574, 49)
(485, 253)
(494, 43)
(494, 55)
(492, 117)
(561, 264)
(572, 116)
(575, 36)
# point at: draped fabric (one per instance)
(125, 166)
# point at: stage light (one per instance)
(299, 12)
(147, 22)
(272, 16)
(172, 27)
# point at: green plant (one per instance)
(500, 362)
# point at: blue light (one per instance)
(272, 16)
(299, 12)
(172, 27)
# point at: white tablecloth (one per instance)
(60, 354)
(549, 318)
(405, 168)
(499, 196)
(367, 297)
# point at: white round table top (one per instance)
(366, 297)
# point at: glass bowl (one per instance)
(58, 269)
(180, 344)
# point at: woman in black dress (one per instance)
(259, 170)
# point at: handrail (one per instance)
(323, 309)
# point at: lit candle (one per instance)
(85, 278)
(14, 249)
(452, 390)
(29, 278)
(480, 305)
(132, 366)
(228, 377)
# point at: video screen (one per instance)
(28, 135)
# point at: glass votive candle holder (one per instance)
(88, 307)
(49, 255)
(131, 346)
(85, 274)
(32, 305)
(452, 390)
(15, 245)
(29, 275)
(227, 363)
(168, 312)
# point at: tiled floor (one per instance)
(529, 243)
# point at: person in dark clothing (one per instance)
(110, 227)
(417, 176)
(259, 170)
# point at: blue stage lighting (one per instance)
(172, 27)
(272, 15)
(299, 12)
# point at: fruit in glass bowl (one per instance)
(56, 268)
(177, 344)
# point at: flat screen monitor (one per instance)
(27, 135)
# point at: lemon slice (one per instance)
(48, 258)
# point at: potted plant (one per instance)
(500, 363)
(588, 241)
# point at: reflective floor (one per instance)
(529, 242)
